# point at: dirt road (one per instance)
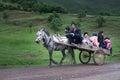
(108, 71)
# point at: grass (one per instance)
(18, 47)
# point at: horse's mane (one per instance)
(46, 32)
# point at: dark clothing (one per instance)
(103, 45)
(76, 38)
(100, 40)
(111, 51)
(77, 32)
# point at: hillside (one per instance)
(111, 7)
(91, 6)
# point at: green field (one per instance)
(18, 47)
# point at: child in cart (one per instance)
(107, 43)
(86, 39)
(94, 39)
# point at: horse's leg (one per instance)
(50, 55)
(54, 62)
(50, 58)
(71, 51)
(64, 55)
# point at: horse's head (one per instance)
(39, 35)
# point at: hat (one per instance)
(94, 34)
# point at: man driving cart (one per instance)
(74, 35)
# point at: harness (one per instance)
(46, 42)
(55, 45)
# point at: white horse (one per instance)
(50, 42)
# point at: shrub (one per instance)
(78, 24)
(30, 25)
(100, 21)
(81, 15)
(54, 15)
(59, 9)
(55, 21)
(105, 13)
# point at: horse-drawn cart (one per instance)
(51, 42)
(87, 51)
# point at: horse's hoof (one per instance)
(60, 64)
(49, 66)
(74, 63)
(55, 63)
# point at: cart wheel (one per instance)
(99, 57)
(84, 57)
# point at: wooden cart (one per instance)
(99, 54)
(87, 51)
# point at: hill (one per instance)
(110, 7)
(91, 6)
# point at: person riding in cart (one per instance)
(75, 35)
(67, 30)
(94, 39)
(101, 39)
(86, 39)
(107, 43)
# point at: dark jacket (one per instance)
(77, 32)
(100, 40)
(77, 36)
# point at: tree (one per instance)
(37, 7)
(60, 9)
(30, 25)
(5, 16)
(27, 4)
(105, 13)
(1, 6)
(100, 21)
